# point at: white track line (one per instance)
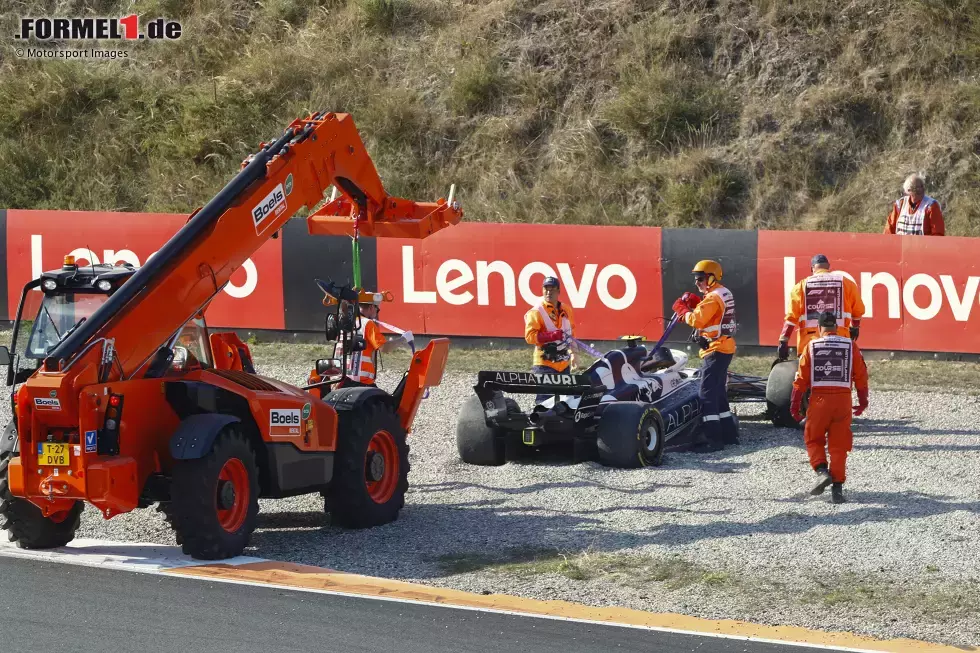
(138, 557)
(157, 559)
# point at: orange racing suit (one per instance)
(714, 318)
(822, 291)
(550, 317)
(828, 367)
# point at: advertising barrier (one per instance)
(478, 279)
(481, 280)
(40, 240)
(919, 293)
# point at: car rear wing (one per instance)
(491, 384)
(531, 383)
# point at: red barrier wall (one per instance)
(39, 240)
(920, 294)
(479, 279)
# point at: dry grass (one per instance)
(634, 570)
(736, 113)
(646, 573)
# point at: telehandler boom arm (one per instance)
(295, 171)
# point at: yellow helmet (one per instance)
(708, 266)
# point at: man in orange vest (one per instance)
(829, 366)
(362, 366)
(823, 290)
(916, 214)
(549, 326)
(714, 318)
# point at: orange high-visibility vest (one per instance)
(715, 320)
(362, 365)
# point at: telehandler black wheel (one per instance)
(371, 467)
(215, 499)
(164, 508)
(28, 527)
(629, 436)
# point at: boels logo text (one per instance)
(43, 403)
(284, 421)
(274, 202)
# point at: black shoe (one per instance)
(837, 493)
(825, 480)
(732, 440)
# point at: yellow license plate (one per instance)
(52, 454)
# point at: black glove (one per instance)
(782, 353)
(855, 332)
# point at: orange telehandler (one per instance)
(133, 402)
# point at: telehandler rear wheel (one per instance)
(215, 499)
(168, 516)
(28, 527)
(371, 469)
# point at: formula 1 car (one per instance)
(623, 411)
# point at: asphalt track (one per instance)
(51, 606)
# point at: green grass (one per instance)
(732, 114)
(927, 599)
(674, 572)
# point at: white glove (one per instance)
(408, 336)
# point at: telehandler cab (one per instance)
(133, 402)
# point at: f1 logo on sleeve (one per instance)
(284, 421)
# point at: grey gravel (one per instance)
(911, 524)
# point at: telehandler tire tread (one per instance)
(354, 500)
(27, 526)
(166, 509)
(204, 530)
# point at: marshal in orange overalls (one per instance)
(829, 366)
(824, 290)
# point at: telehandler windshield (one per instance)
(57, 315)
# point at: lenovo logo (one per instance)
(456, 280)
(84, 256)
(960, 297)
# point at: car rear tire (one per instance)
(27, 525)
(779, 393)
(215, 499)
(630, 436)
(371, 470)
(477, 443)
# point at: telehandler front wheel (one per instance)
(28, 527)
(371, 468)
(215, 499)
